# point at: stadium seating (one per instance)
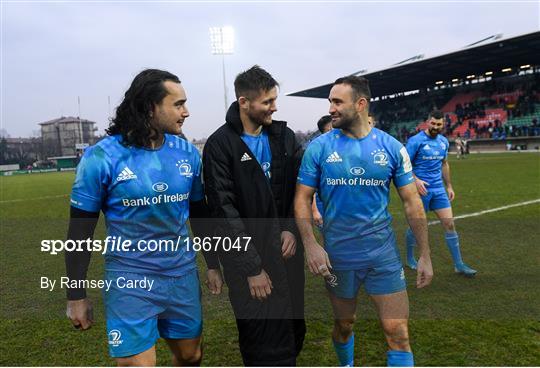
(461, 131)
(409, 125)
(423, 125)
(527, 119)
(462, 99)
(503, 102)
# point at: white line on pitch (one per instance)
(34, 199)
(490, 210)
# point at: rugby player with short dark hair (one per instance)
(250, 168)
(428, 150)
(351, 168)
(324, 124)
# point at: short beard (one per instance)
(433, 132)
(347, 122)
(258, 121)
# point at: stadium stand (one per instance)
(479, 113)
(490, 91)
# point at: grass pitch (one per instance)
(491, 320)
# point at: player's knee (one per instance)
(345, 326)
(449, 225)
(188, 357)
(145, 360)
(397, 334)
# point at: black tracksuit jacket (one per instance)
(244, 203)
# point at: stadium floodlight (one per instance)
(439, 82)
(222, 43)
(525, 66)
(471, 76)
(506, 70)
(222, 40)
(488, 73)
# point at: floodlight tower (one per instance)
(222, 43)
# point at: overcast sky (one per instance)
(54, 52)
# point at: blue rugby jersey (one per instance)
(352, 177)
(144, 195)
(427, 155)
(260, 147)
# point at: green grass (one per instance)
(492, 320)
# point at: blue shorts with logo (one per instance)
(382, 279)
(137, 317)
(435, 199)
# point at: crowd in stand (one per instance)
(491, 130)
(497, 130)
(518, 131)
(472, 110)
(404, 134)
(407, 108)
(518, 98)
(525, 105)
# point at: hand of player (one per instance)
(81, 313)
(424, 272)
(317, 217)
(260, 286)
(317, 260)
(288, 244)
(214, 281)
(421, 187)
(451, 194)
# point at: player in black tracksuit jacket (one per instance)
(245, 203)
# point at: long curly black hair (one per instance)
(133, 115)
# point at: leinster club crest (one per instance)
(115, 338)
(380, 157)
(331, 280)
(184, 168)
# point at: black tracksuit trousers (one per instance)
(271, 332)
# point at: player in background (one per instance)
(371, 120)
(324, 125)
(460, 147)
(428, 151)
(351, 167)
(147, 182)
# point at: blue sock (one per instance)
(345, 352)
(397, 358)
(411, 243)
(452, 242)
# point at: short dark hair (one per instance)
(436, 114)
(359, 85)
(133, 115)
(252, 82)
(323, 121)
